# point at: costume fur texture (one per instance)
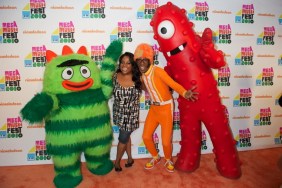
(190, 59)
(74, 106)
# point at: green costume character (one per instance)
(74, 105)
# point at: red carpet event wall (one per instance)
(248, 32)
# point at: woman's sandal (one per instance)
(129, 164)
(118, 169)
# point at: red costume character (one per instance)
(189, 61)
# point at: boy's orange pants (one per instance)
(159, 115)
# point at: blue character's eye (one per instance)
(85, 72)
(166, 29)
(67, 73)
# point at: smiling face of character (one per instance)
(173, 31)
(70, 73)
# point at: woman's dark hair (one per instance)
(136, 74)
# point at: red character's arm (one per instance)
(210, 56)
(168, 70)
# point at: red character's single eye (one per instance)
(166, 29)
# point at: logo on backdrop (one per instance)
(38, 152)
(243, 99)
(94, 9)
(148, 10)
(156, 54)
(267, 36)
(64, 34)
(223, 76)
(156, 141)
(277, 100)
(263, 118)
(278, 137)
(280, 61)
(245, 57)
(280, 19)
(265, 78)
(35, 9)
(145, 101)
(115, 129)
(37, 58)
(246, 15)
(244, 138)
(122, 32)
(143, 150)
(223, 35)
(204, 141)
(12, 128)
(199, 12)
(9, 32)
(176, 121)
(98, 53)
(11, 81)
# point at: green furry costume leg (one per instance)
(97, 159)
(67, 170)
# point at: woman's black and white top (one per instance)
(126, 106)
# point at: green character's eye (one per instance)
(85, 72)
(67, 73)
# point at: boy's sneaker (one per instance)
(169, 166)
(152, 163)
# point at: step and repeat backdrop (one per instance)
(248, 32)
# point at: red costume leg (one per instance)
(227, 160)
(191, 135)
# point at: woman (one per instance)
(127, 91)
